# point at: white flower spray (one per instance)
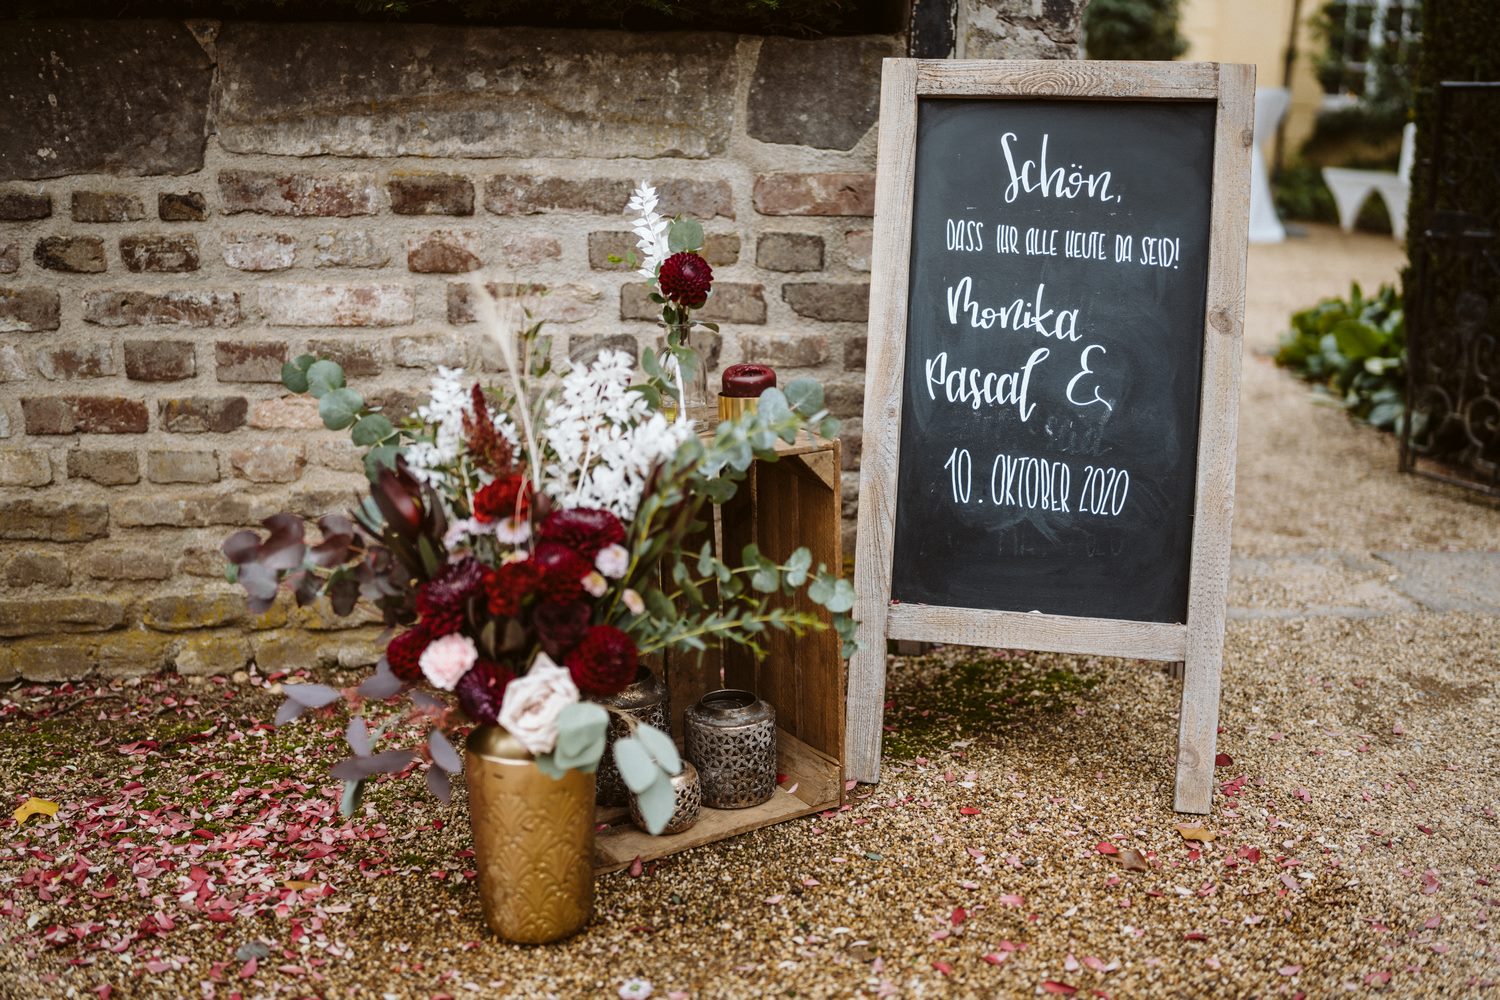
(650, 228)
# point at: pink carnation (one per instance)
(446, 660)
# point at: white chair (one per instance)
(1270, 105)
(1351, 187)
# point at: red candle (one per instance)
(748, 381)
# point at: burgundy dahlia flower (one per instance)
(604, 663)
(685, 279)
(582, 529)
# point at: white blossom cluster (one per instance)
(444, 412)
(603, 440)
(650, 228)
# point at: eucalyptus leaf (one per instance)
(579, 726)
(804, 395)
(354, 794)
(358, 736)
(372, 429)
(339, 407)
(548, 766)
(685, 234)
(657, 802)
(288, 712)
(443, 754)
(323, 377)
(797, 565)
(636, 765)
(312, 695)
(440, 785)
(382, 684)
(660, 746)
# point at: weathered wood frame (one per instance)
(1199, 642)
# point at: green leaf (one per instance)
(684, 234)
(294, 373)
(1357, 341)
(766, 579)
(372, 429)
(380, 457)
(661, 748)
(579, 726)
(657, 802)
(354, 794)
(842, 599)
(323, 377)
(797, 566)
(339, 408)
(548, 765)
(804, 395)
(636, 765)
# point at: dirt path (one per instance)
(1354, 837)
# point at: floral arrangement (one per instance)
(526, 544)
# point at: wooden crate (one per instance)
(783, 504)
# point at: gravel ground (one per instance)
(1021, 842)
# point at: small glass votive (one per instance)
(731, 738)
(688, 793)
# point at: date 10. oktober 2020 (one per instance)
(1039, 484)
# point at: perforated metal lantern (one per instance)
(731, 739)
(688, 797)
(645, 700)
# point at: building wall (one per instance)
(1258, 32)
(184, 206)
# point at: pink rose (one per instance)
(533, 703)
(445, 661)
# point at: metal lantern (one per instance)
(731, 738)
(646, 701)
(688, 796)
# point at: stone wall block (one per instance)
(25, 467)
(107, 467)
(858, 245)
(75, 361)
(160, 360)
(731, 302)
(35, 569)
(183, 206)
(337, 305)
(268, 193)
(84, 415)
(127, 564)
(258, 251)
(53, 662)
(175, 308)
(444, 251)
(358, 357)
(268, 463)
(828, 301)
(719, 249)
(795, 350)
(78, 254)
(554, 304)
(350, 248)
(789, 252)
(10, 257)
(107, 206)
(24, 206)
(430, 194)
(184, 612)
(286, 413)
(428, 351)
(528, 194)
(438, 90)
(815, 194)
(182, 466)
(128, 96)
(29, 310)
(203, 414)
(132, 653)
(211, 655)
(249, 360)
(52, 521)
(72, 613)
(823, 93)
(167, 254)
(12, 365)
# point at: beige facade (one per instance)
(1259, 32)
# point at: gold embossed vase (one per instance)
(533, 840)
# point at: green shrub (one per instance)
(1132, 29)
(1355, 350)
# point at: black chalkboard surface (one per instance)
(1049, 431)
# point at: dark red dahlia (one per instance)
(508, 496)
(563, 571)
(507, 587)
(604, 663)
(560, 627)
(404, 652)
(685, 279)
(582, 529)
(482, 689)
(441, 601)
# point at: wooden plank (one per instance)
(1062, 79)
(1052, 633)
(819, 786)
(1214, 505)
(889, 265)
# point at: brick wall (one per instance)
(183, 207)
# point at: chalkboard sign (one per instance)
(1052, 371)
(1054, 337)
